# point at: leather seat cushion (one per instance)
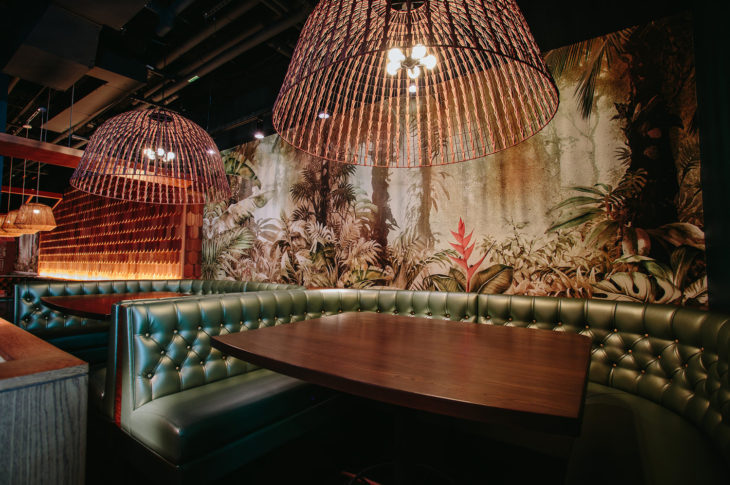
(189, 424)
(628, 439)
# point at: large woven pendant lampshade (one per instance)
(413, 83)
(10, 226)
(154, 156)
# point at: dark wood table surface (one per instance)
(527, 377)
(98, 307)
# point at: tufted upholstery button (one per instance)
(615, 330)
(447, 315)
(149, 376)
(395, 312)
(686, 365)
(224, 357)
(202, 362)
(600, 345)
(629, 351)
(322, 314)
(359, 309)
(489, 317)
(560, 324)
(509, 319)
(613, 365)
(643, 371)
(187, 347)
(339, 311)
(377, 311)
(588, 326)
(200, 327)
(676, 341)
(646, 335)
(412, 312)
(702, 349)
(429, 314)
(222, 324)
(534, 321)
(174, 330)
(658, 356)
(162, 352)
(177, 367)
(147, 334)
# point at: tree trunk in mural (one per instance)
(320, 211)
(648, 122)
(384, 217)
(424, 214)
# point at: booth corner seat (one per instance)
(657, 407)
(87, 338)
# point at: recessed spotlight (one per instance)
(323, 115)
(258, 135)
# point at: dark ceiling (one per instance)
(218, 62)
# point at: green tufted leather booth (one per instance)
(658, 394)
(86, 338)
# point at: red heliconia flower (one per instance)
(462, 247)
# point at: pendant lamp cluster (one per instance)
(31, 217)
(414, 83)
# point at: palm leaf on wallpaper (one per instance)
(592, 56)
(224, 249)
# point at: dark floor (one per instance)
(427, 453)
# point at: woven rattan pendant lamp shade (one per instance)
(35, 216)
(154, 156)
(485, 88)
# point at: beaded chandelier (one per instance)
(154, 156)
(413, 83)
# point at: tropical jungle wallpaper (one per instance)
(605, 202)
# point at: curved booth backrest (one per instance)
(30, 313)
(676, 357)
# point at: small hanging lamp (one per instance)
(153, 156)
(35, 216)
(413, 83)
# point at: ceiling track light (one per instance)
(259, 133)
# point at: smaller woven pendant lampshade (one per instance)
(10, 226)
(154, 156)
(36, 217)
(413, 83)
(9, 230)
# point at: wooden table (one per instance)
(531, 378)
(99, 307)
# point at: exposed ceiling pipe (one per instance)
(25, 109)
(12, 84)
(225, 57)
(220, 22)
(94, 115)
(167, 16)
(210, 55)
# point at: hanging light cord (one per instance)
(10, 189)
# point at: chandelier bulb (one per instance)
(396, 55)
(418, 51)
(429, 62)
(392, 68)
(414, 72)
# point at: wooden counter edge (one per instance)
(29, 359)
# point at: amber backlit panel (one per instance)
(100, 238)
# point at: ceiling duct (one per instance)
(58, 51)
(112, 13)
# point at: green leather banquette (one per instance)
(657, 408)
(86, 338)
(203, 413)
